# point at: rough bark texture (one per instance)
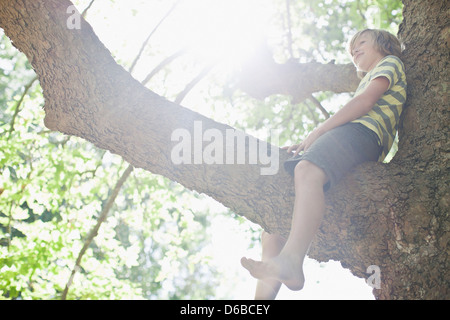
(395, 215)
(391, 215)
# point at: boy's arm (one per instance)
(354, 109)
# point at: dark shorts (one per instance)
(339, 150)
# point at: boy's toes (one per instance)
(247, 263)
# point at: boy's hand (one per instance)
(305, 144)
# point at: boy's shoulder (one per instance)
(391, 59)
(390, 67)
(389, 63)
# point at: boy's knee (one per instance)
(264, 235)
(306, 171)
(305, 168)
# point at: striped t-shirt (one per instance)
(384, 117)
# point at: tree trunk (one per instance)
(394, 216)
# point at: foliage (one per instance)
(155, 241)
(52, 190)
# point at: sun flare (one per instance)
(222, 30)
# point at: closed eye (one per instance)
(359, 44)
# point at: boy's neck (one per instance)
(376, 61)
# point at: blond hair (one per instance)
(385, 42)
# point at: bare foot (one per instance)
(287, 270)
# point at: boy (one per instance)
(363, 130)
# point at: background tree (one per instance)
(391, 215)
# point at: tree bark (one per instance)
(262, 77)
(394, 216)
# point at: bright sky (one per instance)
(216, 29)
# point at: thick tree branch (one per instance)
(89, 95)
(262, 76)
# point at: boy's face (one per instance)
(364, 54)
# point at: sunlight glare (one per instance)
(223, 30)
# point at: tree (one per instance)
(53, 190)
(391, 215)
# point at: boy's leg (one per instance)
(309, 207)
(267, 289)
